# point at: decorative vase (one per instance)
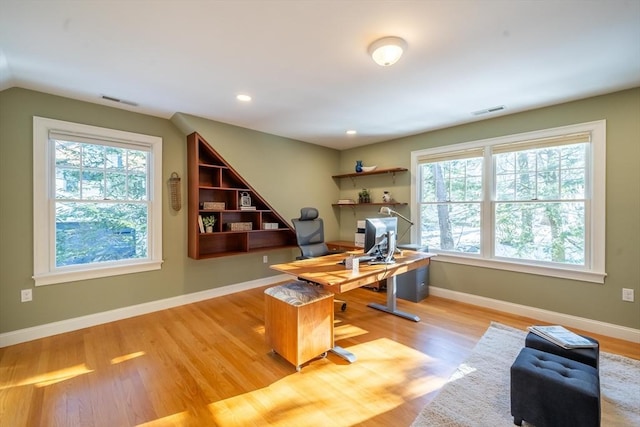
(208, 229)
(358, 166)
(386, 197)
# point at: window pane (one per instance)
(67, 153)
(115, 158)
(552, 232)
(93, 156)
(97, 232)
(456, 180)
(117, 186)
(451, 226)
(505, 163)
(548, 185)
(428, 188)
(548, 159)
(525, 186)
(505, 187)
(93, 185)
(574, 155)
(137, 187)
(573, 182)
(137, 161)
(67, 183)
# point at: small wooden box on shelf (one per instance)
(214, 189)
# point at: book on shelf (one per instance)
(200, 224)
(561, 336)
(247, 208)
(346, 202)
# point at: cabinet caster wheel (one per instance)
(298, 368)
(324, 355)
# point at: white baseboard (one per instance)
(597, 327)
(49, 329)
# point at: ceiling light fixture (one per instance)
(387, 50)
(351, 132)
(243, 98)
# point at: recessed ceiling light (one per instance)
(351, 132)
(244, 98)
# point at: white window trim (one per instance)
(595, 270)
(44, 271)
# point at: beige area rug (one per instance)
(478, 394)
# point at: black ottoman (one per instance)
(549, 390)
(588, 356)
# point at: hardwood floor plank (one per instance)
(208, 364)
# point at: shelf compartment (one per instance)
(229, 198)
(270, 238)
(219, 243)
(229, 180)
(209, 176)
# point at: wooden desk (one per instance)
(335, 277)
(342, 245)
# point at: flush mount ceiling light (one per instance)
(243, 97)
(387, 50)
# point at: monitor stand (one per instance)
(391, 249)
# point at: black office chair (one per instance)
(310, 236)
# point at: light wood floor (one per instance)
(206, 364)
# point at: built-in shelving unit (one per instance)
(236, 230)
(354, 175)
(373, 172)
(355, 205)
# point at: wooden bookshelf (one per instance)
(211, 179)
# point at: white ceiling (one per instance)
(305, 62)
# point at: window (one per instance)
(531, 202)
(97, 202)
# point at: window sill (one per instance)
(95, 273)
(563, 273)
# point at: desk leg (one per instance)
(343, 353)
(391, 302)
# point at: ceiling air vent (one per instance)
(121, 101)
(489, 110)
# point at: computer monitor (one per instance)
(380, 237)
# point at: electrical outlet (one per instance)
(627, 294)
(26, 295)
(265, 259)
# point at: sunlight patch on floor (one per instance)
(126, 357)
(385, 371)
(53, 377)
(178, 419)
(347, 331)
(462, 371)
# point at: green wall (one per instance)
(599, 302)
(289, 174)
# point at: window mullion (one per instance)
(488, 195)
